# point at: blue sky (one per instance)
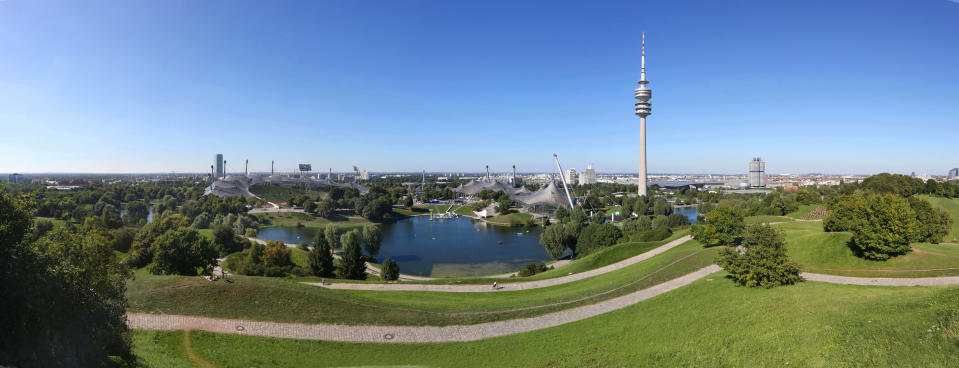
(158, 86)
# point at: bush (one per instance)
(761, 260)
(390, 270)
(122, 239)
(303, 246)
(532, 269)
(272, 260)
(886, 229)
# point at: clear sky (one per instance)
(158, 86)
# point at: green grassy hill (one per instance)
(710, 323)
(951, 205)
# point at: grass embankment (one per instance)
(803, 211)
(276, 193)
(829, 253)
(286, 300)
(951, 205)
(710, 323)
(307, 220)
(766, 219)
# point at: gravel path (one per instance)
(406, 334)
(512, 286)
(881, 281)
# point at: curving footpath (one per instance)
(881, 281)
(406, 334)
(513, 286)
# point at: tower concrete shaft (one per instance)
(643, 109)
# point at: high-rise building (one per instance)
(757, 173)
(571, 176)
(219, 165)
(588, 176)
(643, 109)
(954, 173)
(15, 178)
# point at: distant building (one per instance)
(219, 165)
(588, 176)
(364, 175)
(16, 178)
(954, 173)
(757, 173)
(571, 176)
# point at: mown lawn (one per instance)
(297, 218)
(823, 252)
(766, 219)
(710, 323)
(287, 300)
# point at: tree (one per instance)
(561, 214)
(321, 256)
(503, 205)
(66, 285)
(661, 207)
(846, 212)
(762, 259)
(332, 235)
(723, 225)
(326, 208)
(201, 221)
(135, 211)
(390, 270)
(557, 239)
(372, 239)
(933, 223)
(225, 240)
(352, 265)
(142, 249)
(276, 259)
(408, 203)
(182, 252)
(887, 228)
(310, 206)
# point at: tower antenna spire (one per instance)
(642, 71)
(643, 109)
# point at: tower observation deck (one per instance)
(643, 109)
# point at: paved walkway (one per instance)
(512, 286)
(406, 334)
(881, 281)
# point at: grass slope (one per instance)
(298, 218)
(822, 252)
(710, 323)
(286, 300)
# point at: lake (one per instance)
(456, 247)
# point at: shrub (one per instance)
(122, 239)
(532, 269)
(761, 260)
(390, 270)
(887, 227)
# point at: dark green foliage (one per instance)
(723, 225)
(503, 205)
(761, 260)
(638, 225)
(887, 227)
(321, 257)
(182, 252)
(845, 212)
(310, 207)
(558, 238)
(122, 239)
(656, 235)
(532, 269)
(136, 211)
(41, 227)
(372, 238)
(226, 240)
(390, 270)
(678, 220)
(202, 221)
(326, 208)
(332, 235)
(62, 298)
(597, 236)
(142, 250)
(934, 223)
(272, 260)
(352, 264)
(885, 183)
(561, 214)
(408, 203)
(303, 246)
(660, 222)
(661, 207)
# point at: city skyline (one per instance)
(116, 88)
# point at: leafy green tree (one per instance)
(845, 212)
(391, 270)
(201, 221)
(122, 239)
(661, 207)
(182, 252)
(135, 212)
(326, 208)
(762, 259)
(408, 203)
(310, 206)
(321, 256)
(372, 238)
(886, 230)
(723, 226)
(332, 235)
(660, 222)
(561, 214)
(503, 205)
(143, 244)
(557, 239)
(352, 264)
(933, 223)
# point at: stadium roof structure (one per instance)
(474, 187)
(230, 186)
(551, 196)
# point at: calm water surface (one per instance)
(458, 247)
